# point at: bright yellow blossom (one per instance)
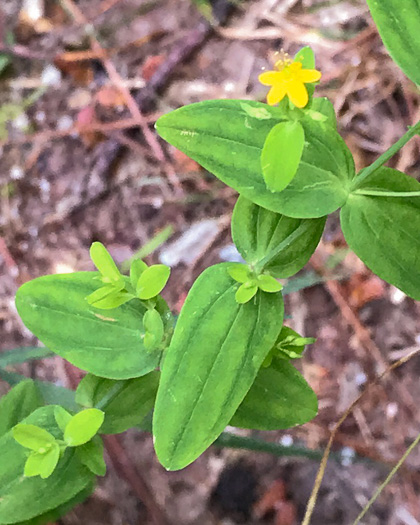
(289, 79)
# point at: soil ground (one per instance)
(59, 192)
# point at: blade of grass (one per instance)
(150, 246)
(23, 354)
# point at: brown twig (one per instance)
(116, 79)
(126, 470)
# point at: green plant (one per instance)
(227, 359)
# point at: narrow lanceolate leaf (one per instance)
(279, 398)
(398, 24)
(228, 141)
(384, 231)
(17, 501)
(219, 346)
(282, 243)
(83, 427)
(104, 262)
(281, 154)
(108, 344)
(19, 403)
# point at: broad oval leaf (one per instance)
(107, 344)
(83, 426)
(130, 402)
(226, 140)
(284, 243)
(279, 398)
(152, 281)
(17, 493)
(20, 402)
(281, 154)
(384, 231)
(32, 436)
(398, 24)
(215, 354)
(42, 464)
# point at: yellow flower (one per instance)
(289, 79)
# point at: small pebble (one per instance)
(347, 456)
(51, 76)
(16, 172)
(286, 440)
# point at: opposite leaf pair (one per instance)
(144, 283)
(46, 450)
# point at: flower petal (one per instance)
(309, 75)
(276, 94)
(269, 78)
(297, 93)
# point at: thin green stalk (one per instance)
(387, 480)
(383, 193)
(385, 157)
(260, 265)
(228, 440)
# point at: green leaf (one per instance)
(51, 394)
(83, 426)
(267, 283)
(136, 269)
(125, 403)
(19, 403)
(62, 418)
(281, 154)
(42, 464)
(108, 297)
(322, 110)
(91, 454)
(23, 499)
(384, 231)
(246, 292)
(398, 24)
(55, 310)
(290, 345)
(279, 398)
(284, 245)
(306, 56)
(153, 324)
(228, 142)
(104, 262)
(62, 510)
(216, 351)
(239, 272)
(32, 436)
(152, 281)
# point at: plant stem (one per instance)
(383, 193)
(387, 480)
(228, 440)
(380, 161)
